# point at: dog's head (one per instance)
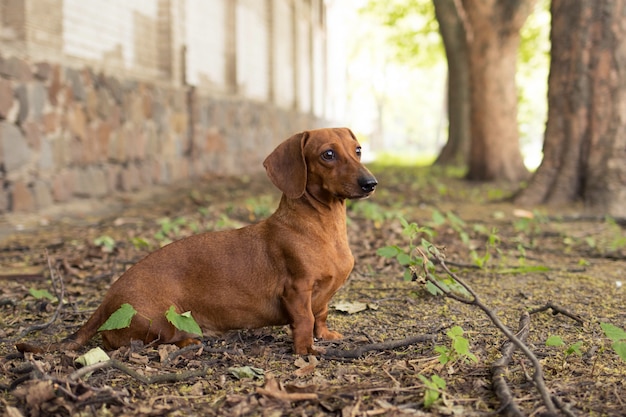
(324, 162)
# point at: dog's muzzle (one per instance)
(368, 184)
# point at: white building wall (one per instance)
(303, 60)
(252, 49)
(206, 43)
(283, 54)
(113, 31)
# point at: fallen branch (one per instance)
(115, 364)
(388, 345)
(498, 370)
(558, 310)
(473, 299)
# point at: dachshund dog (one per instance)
(282, 270)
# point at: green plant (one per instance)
(372, 211)
(259, 207)
(557, 341)
(493, 240)
(107, 243)
(41, 294)
(618, 337)
(184, 321)
(413, 261)
(170, 228)
(121, 318)
(458, 350)
(434, 386)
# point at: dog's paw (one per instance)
(330, 335)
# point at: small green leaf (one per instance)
(184, 322)
(389, 251)
(433, 289)
(620, 349)
(455, 332)
(39, 294)
(438, 218)
(439, 381)
(613, 332)
(554, 341)
(403, 259)
(575, 348)
(120, 319)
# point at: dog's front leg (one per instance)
(297, 302)
(321, 329)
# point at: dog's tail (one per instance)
(72, 342)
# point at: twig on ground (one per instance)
(558, 310)
(388, 345)
(59, 292)
(498, 370)
(112, 363)
(473, 299)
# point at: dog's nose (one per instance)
(368, 184)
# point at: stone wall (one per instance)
(68, 134)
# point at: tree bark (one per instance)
(493, 34)
(585, 138)
(456, 149)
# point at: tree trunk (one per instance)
(456, 149)
(585, 139)
(492, 28)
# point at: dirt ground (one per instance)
(555, 258)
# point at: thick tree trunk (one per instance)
(585, 138)
(492, 28)
(456, 149)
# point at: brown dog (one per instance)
(283, 270)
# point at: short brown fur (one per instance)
(283, 270)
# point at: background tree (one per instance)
(493, 24)
(585, 137)
(452, 30)
(493, 35)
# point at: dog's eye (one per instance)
(328, 155)
(358, 151)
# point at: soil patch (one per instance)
(528, 258)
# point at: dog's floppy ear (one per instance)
(286, 166)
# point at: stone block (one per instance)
(6, 98)
(55, 85)
(17, 69)
(75, 81)
(21, 197)
(63, 186)
(42, 71)
(91, 104)
(77, 121)
(51, 123)
(129, 178)
(91, 182)
(37, 96)
(46, 160)
(21, 95)
(15, 150)
(32, 134)
(4, 199)
(42, 194)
